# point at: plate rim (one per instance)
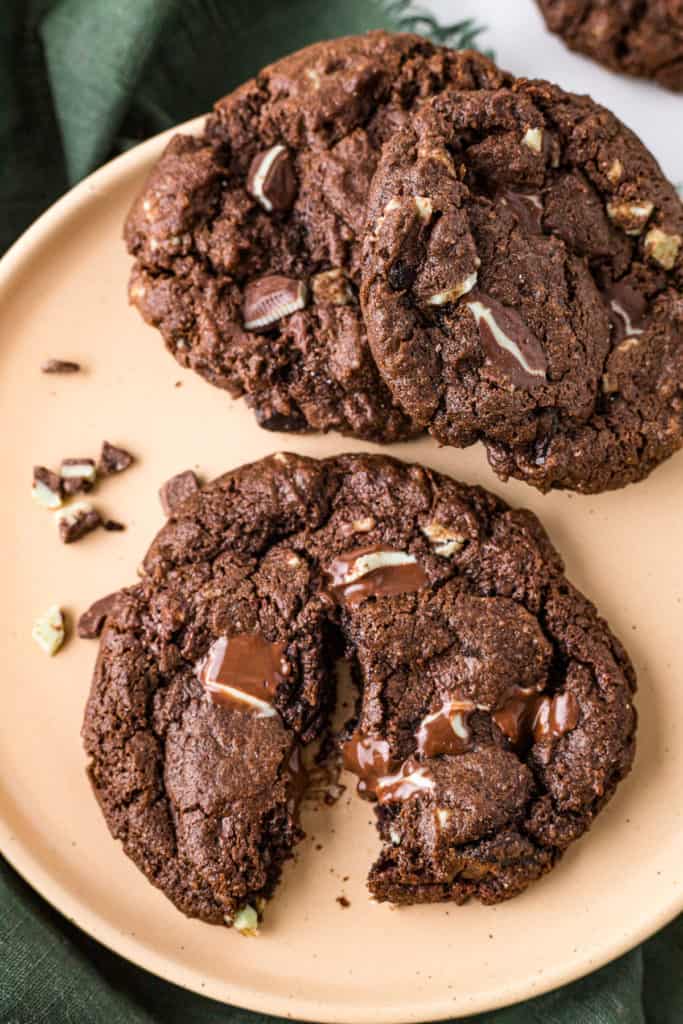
(28, 865)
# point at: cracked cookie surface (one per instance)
(636, 37)
(247, 239)
(523, 285)
(494, 715)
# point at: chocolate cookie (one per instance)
(246, 239)
(522, 285)
(494, 714)
(636, 37)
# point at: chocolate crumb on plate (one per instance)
(343, 902)
(59, 366)
(49, 630)
(178, 489)
(113, 459)
(113, 525)
(90, 623)
(78, 476)
(47, 488)
(76, 521)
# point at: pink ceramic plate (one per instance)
(63, 293)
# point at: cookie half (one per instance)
(635, 37)
(494, 715)
(523, 285)
(247, 239)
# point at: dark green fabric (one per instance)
(81, 80)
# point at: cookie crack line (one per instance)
(269, 556)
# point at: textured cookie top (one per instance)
(637, 37)
(494, 715)
(522, 279)
(247, 238)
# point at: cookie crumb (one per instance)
(343, 902)
(59, 366)
(246, 921)
(178, 489)
(47, 488)
(76, 521)
(113, 459)
(113, 525)
(78, 476)
(91, 622)
(49, 630)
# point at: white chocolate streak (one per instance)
(453, 294)
(482, 312)
(418, 779)
(619, 309)
(264, 709)
(261, 175)
(377, 560)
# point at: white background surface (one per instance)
(516, 32)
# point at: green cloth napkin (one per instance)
(81, 80)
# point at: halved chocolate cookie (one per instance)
(247, 238)
(494, 715)
(523, 285)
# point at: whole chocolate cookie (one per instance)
(636, 37)
(247, 239)
(494, 715)
(523, 285)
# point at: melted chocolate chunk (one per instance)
(626, 309)
(369, 758)
(177, 490)
(411, 779)
(516, 713)
(554, 717)
(91, 622)
(527, 208)
(271, 179)
(507, 341)
(526, 716)
(375, 572)
(446, 731)
(244, 669)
